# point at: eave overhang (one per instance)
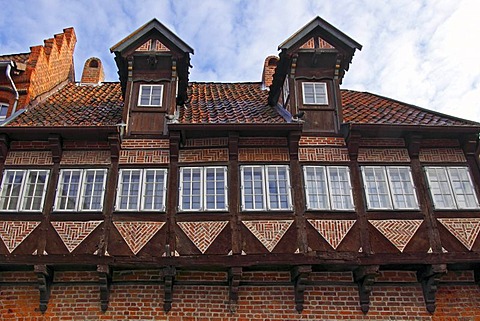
(89, 133)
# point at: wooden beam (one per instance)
(105, 280)
(234, 277)
(429, 277)
(45, 278)
(300, 276)
(169, 273)
(365, 276)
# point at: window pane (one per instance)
(278, 187)
(440, 187)
(154, 187)
(215, 188)
(340, 190)
(68, 189)
(191, 188)
(308, 93)
(253, 188)
(35, 186)
(401, 186)
(316, 187)
(93, 189)
(11, 187)
(376, 188)
(129, 190)
(462, 187)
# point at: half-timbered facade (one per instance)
(156, 197)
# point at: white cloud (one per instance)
(419, 52)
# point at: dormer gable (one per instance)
(153, 66)
(307, 79)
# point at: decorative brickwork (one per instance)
(392, 155)
(438, 155)
(323, 154)
(160, 46)
(145, 144)
(321, 141)
(29, 145)
(382, 142)
(29, 158)
(464, 229)
(202, 234)
(15, 232)
(207, 142)
(144, 157)
(263, 154)
(85, 145)
(429, 143)
(146, 46)
(137, 234)
(269, 233)
(203, 155)
(398, 232)
(85, 158)
(262, 141)
(73, 233)
(310, 44)
(333, 231)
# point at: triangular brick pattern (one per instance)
(137, 234)
(269, 233)
(202, 234)
(146, 46)
(398, 232)
(464, 229)
(310, 44)
(333, 231)
(13, 233)
(73, 233)
(160, 46)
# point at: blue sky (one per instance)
(420, 52)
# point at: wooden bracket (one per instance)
(293, 140)
(234, 277)
(55, 142)
(114, 142)
(353, 144)
(105, 280)
(233, 145)
(169, 273)
(429, 277)
(413, 145)
(365, 276)
(45, 278)
(299, 276)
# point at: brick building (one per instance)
(157, 198)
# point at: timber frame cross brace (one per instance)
(105, 279)
(429, 277)
(299, 275)
(169, 273)
(234, 277)
(365, 276)
(45, 278)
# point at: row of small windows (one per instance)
(263, 188)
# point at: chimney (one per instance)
(93, 71)
(268, 70)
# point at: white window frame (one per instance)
(150, 95)
(266, 195)
(202, 192)
(22, 196)
(326, 183)
(387, 179)
(140, 195)
(81, 191)
(286, 91)
(2, 106)
(316, 86)
(450, 190)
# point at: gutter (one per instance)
(9, 65)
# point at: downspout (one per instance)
(9, 65)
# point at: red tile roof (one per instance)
(228, 103)
(219, 103)
(21, 57)
(76, 105)
(367, 108)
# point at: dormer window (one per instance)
(150, 95)
(315, 93)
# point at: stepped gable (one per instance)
(76, 105)
(367, 108)
(227, 103)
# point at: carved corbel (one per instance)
(293, 141)
(233, 145)
(299, 276)
(469, 144)
(365, 276)
(234, 277)
(105, 280)
(353, 144)
(114, 142)
(169, 273)
(45, 278)
(414, 144)
(429, 277)
(55, 142)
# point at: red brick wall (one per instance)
(398, 297)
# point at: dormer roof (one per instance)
(133, 38)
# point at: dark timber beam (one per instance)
(105, 280)
(169, 273)
(45, 278)
(234, 277)
(429, 277)
(365, 276)
(300, 276)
